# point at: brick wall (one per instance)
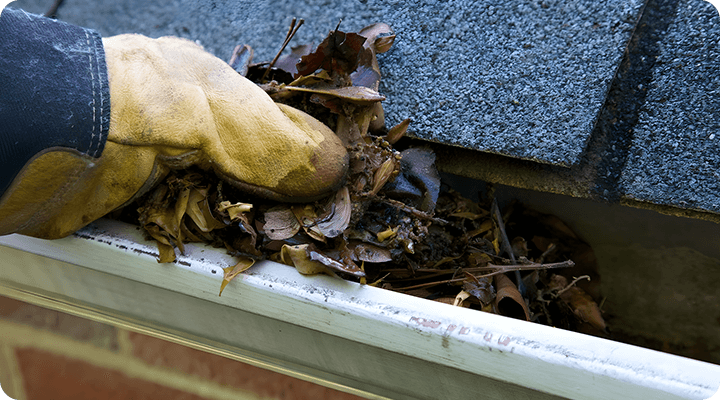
(46, 354)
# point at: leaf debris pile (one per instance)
(391, 225)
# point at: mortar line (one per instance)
(10, 372)
(21, 336)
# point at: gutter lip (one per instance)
(539, 357)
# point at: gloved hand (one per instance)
(174, 105)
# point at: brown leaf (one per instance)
(231, 272)
(509, 301)
(354, 94)
(339, 216)
(167, 253)
(289, 62)
(367, 252)
(481, 289)
(397, 131)
(383, 174)
(367, 72)
(338, 53)
(198, 210)
(348, 268)
(383, 44)
(298, 257)
(280, 223)
(582, 305)
(371, 33)
(235, 210)
(307, 216)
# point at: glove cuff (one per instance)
(55, 91)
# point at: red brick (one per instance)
(228, 372)
(49, 376)
(77, 328)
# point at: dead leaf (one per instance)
(337, 54)
(308, 218)
(338, 219)
(582, 305)
(481, 289)
(198, 210)
(289, 62)
(383, 174)
(241, 58)
(397, 131)
(354, 94)
(386, 234)
(297, 256)
(508, 300)
(231, 272)
(368, 252)
(235, 210)
(280, 223)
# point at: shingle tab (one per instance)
(674, 158)
(521, 79)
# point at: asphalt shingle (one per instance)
(674, 157)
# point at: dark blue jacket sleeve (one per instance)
(54, 91)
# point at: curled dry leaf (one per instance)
(231, 272)
(508, 300)
(297, 257)
(308, 218)
(198, 210)
(582, 305)
(339, 216)
(347, 267)
(481, 289)
(387, 233)
(383, 174)
(397, 131)
(367, 72)
(308, 260)
(235, 210)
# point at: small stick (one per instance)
(413, 211)
(502, 269)
(518, 267)
(291, 32)
(506, 245)
(566, 288)
(549, 250)
(52, 11)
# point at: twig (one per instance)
(545, 253)
(52, 11)
(566, 288)
(519, 267)
(411, 210)
(501, 269)
(503, 235)
(291, 32)
(506, 245)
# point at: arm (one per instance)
(172, 105)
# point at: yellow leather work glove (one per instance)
(174, 105)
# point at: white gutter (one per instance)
(368, 341)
